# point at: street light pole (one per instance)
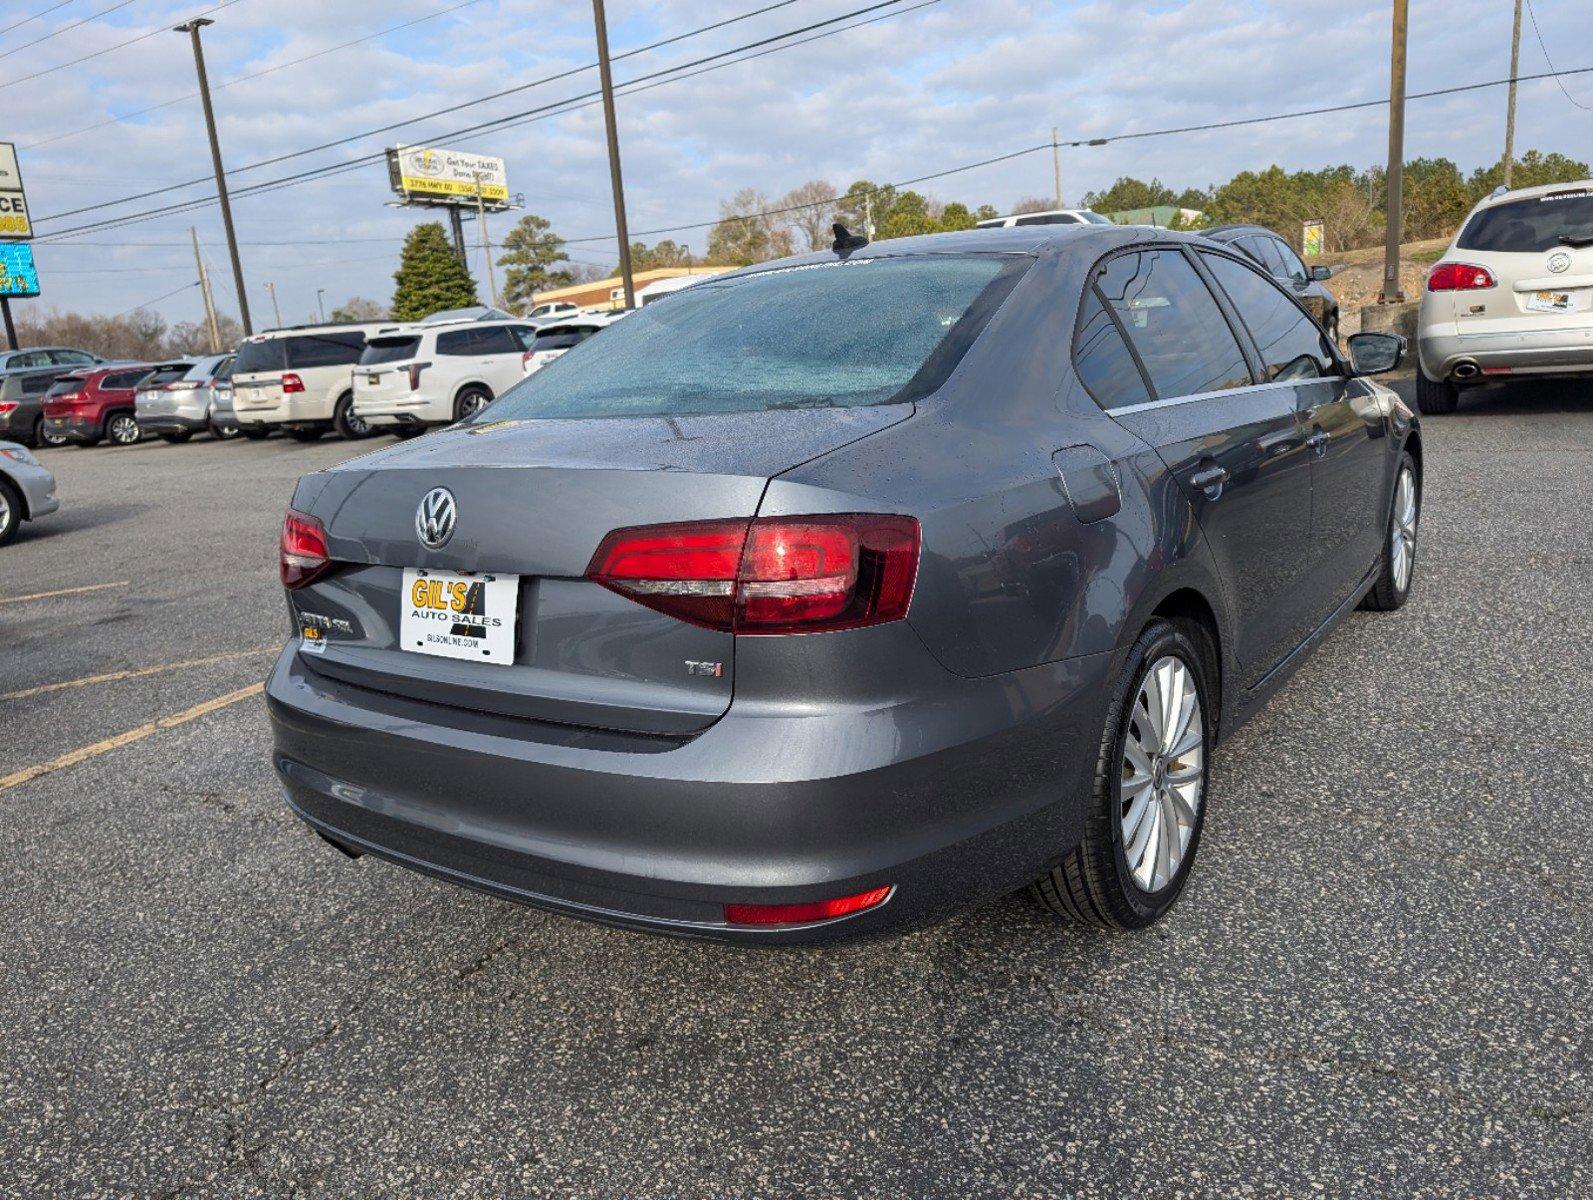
(1056, 167)
(1391, 293)
(1510, 119)
(192, 29)
(613, 152)
(320, 305)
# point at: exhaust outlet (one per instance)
(1466, 370)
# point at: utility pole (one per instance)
(486, 250)
(1056, 166)
(276, 310)
(192, 29)
(620, 228)
(204, 289)
(1391, 293)
(456, 225)
(1510, 119)
(11, 326)
(320, 305)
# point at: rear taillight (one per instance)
(803, 914)
(1459, 277)
(304, 554)
(9, 406)
(292, 383)
(414, 370)
(770, 575)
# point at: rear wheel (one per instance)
(10, 511)
(348, 423)
(1392, 588)
(1435, 396)
(177, 437)
(1147, 806)
(121, 429)
(41, 438)
(224, 433)
(470, 401)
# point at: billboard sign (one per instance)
(14, 221)
(1313, 238)
(18, 275)
(426, 175)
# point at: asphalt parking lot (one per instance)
(1379, 981)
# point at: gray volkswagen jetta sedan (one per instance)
(824, 598)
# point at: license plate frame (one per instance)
(465, 616)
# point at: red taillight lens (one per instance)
(9, 406)
(802, 914)
(292, 383)
(1459, 277)
(414, 370)
(303, 551)
(770, 575)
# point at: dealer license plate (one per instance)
(455, 615)
(1552, 302)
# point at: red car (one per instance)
(85, 406)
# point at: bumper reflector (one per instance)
(803, 914)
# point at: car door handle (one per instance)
(1210, 481)
(1318, 442)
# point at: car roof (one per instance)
(1547, 189)
(1223, 232)
(324, 327)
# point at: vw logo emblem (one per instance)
(1559, 262)
(435, 518)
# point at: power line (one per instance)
(41, 13)
(352, 164)
(133, 41)
(226, 83)
(68, 28)
(1533, 13)
(355, 137)
(156, 300)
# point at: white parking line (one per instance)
(92, 587)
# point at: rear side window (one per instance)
(1293, 266)
(1290, 344)
(1047, 219)
(71, 358)
(1102, 358)
(1529, 226)
(389, 350)
(34, 385)
(267, 355)
(524, 335)
(1174, 323)
(325, 349)
(478, 341)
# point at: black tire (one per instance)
(1094, 884)
(121, 429)
(178, 437)
(224, 433)
(470, 401)
(311, 434)
(1435, 397)
(349, 424)
(255, 433)
(10, 511)
(1393, 585)
(40, 438)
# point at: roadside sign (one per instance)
(1313, 237)
(13, 204)
(18, 274)
(418, 173)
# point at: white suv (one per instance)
(300, 380)
(413, 376)
(1054, 216)
(1511, 297)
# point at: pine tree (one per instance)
(532, 254)
(430, 276)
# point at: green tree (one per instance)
(532, 252)
(985, 212)
(665, 254)
(908, 217)
(956, 216)
(1128, 193)
(1533, 169)
(430, 276)
(358, 308)
(744, 235)
(1436, 198)
(861, 199)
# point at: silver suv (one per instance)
(1512, 296)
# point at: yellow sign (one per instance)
(13, 204)
(425, 173)
(418, 186)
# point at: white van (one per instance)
(413, 376)
(300, 380)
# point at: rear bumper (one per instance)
(949, 799)
(284, 412)
(1446, 351)
(171, 423)
(73, 429)
(389, 411)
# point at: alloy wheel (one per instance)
(1402, 530)
(48, 439)
(471, 403)
(5, 511)
(1163, 773)
(123, 429)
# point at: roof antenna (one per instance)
(846, 241)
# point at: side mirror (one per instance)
(1321, 274)
(1376, 353)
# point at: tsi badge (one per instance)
(435, 518)
(711, 669)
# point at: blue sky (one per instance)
(948, 83)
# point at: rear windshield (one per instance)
(62, 386)
(1527, 226)
(562, 338)
(341, 349)
(826, 334)
(267, 355)
(389, 350)
(168, 374)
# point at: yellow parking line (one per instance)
(92, 587)
(135, 673)
(73, 757)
